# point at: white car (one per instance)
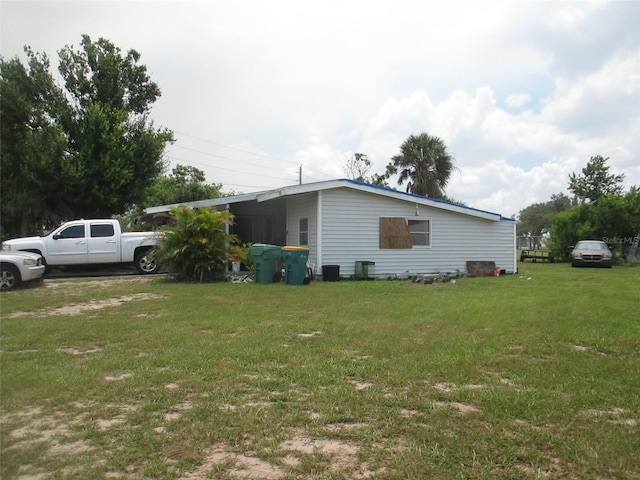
(18, 267)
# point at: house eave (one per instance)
(299, 189)
(212, 202)
(377, 190)
(291, 190)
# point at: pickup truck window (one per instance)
(102, 230)
(74, 231)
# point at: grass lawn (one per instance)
(535, 375)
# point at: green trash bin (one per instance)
(295, 264)
(266, 259)
(365, 270)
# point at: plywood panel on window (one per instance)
(394, 233)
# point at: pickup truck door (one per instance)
(104, 243)
(68, 246)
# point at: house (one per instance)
(345, 221)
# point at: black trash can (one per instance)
(330, 273)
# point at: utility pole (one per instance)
(300, 175)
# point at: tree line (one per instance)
(597, 209)
(86, 148)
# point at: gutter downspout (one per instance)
(226, 231)
(515, 249)
(319, 234)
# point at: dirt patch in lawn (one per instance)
(310, 334)
(77, 351)
(338, 456)
(30, 427)
(463, 408)
(616, 416)
(79, 308)
(361, 385)
(55, 284)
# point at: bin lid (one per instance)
(263, 246)
(295, 248)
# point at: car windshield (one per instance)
(49, 231)
(591, 246)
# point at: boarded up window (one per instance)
(394, 233)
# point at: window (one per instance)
(74, 231)
(396, 233)
(102, 230)
(303, 231)
(419, 230)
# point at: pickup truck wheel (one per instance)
(47, 268)
(145, 264)
(9, 277)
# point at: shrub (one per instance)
(196, 246)
(242, 254)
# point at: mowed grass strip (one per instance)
(534, 375)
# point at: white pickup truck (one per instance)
(90, 242)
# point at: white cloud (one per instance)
(571, 17)
(482, 136)
(517, 100)
(607, 94)
(320, 161)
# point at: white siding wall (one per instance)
(351, 232)
(299, 206)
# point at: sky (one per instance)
(262, 93)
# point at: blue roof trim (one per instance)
(413, 195)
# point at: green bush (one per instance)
(196, 246)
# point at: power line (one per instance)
(236, 148)
(226, 158)
(222, 168)
(261, 165)
(281, 178)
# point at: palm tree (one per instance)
(424, 164)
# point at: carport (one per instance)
(255, 222)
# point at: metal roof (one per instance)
(267, 195)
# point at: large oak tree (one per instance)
(32, 144)
(92, 148)
(595, 182)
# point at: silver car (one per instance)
(18, 267)
(592, 253)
